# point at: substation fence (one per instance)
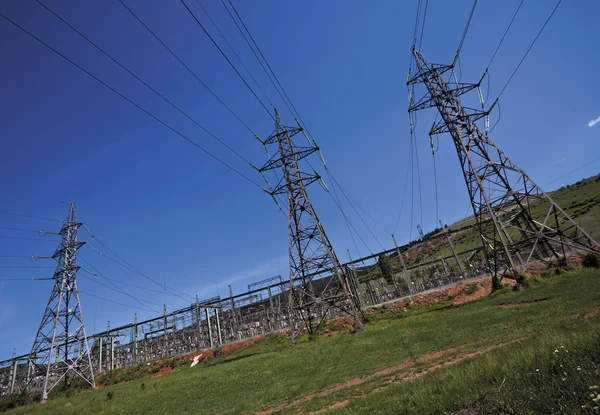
(263, 309)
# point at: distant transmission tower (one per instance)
(310, 251)
(60, 351)
(526, 224)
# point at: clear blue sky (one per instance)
(178, 215)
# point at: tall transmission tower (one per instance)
(526, 224)
(310, 252)
(60, 351)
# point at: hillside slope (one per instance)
(442, 357)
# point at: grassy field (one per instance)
(513, 352)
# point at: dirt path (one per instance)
(407, 370)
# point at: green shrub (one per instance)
(12, 402)
(471, 288)
(591, 261)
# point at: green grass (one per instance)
(272, 372)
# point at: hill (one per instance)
(533, 351)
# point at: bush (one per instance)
(591, 261)
(471, 288)
(12, 402)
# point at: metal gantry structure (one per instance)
(60, 350)
(518, 222)
(310, 252)
(260, 310)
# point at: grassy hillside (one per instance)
(580, 200)
(500, 354)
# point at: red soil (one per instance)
(164, 370)
(457, 294)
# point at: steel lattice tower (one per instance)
(310, 252)
(60, 350)
(526, 224)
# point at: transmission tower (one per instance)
(310, 252)
(526, 224)
(60, 351)
(421, 234)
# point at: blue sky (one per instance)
(181, 217)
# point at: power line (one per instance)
(338, 205)
(112, 301)
(146, 84)
(418, 15)
(462, 40)
(26, 239)
(419, 182)
(571, 172)
(131, 267)
(25, 266)
(270, 75)
(234, 52)
(346, 220)
(361, 219)
(505, 33)
(423, 26)
(351, 200)
(408, 164)
(412, 188)
(133, 103)
(529, 49)
(119, 288)
(135, 284)
(435, 182)
(22, 230)
(27, 216)
(91, 278)
(25, 279)
(295, 111)
(186, 67)
(226, 58)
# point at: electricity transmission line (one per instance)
(148, 86)
(138, 106)
(28, 216)
(226, 58)
(185, 66)
(529, 49)
(127, 265)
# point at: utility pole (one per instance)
(411, 289)
(233, 316)
(218, 320)
(62, 328)
(198, 321)
(135, 339)
(310, 251)
(166, 345)
(13, 372)
(498, 188)
(210, 337)
(110, 341)
(458, 261)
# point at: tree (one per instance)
(386, 268)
